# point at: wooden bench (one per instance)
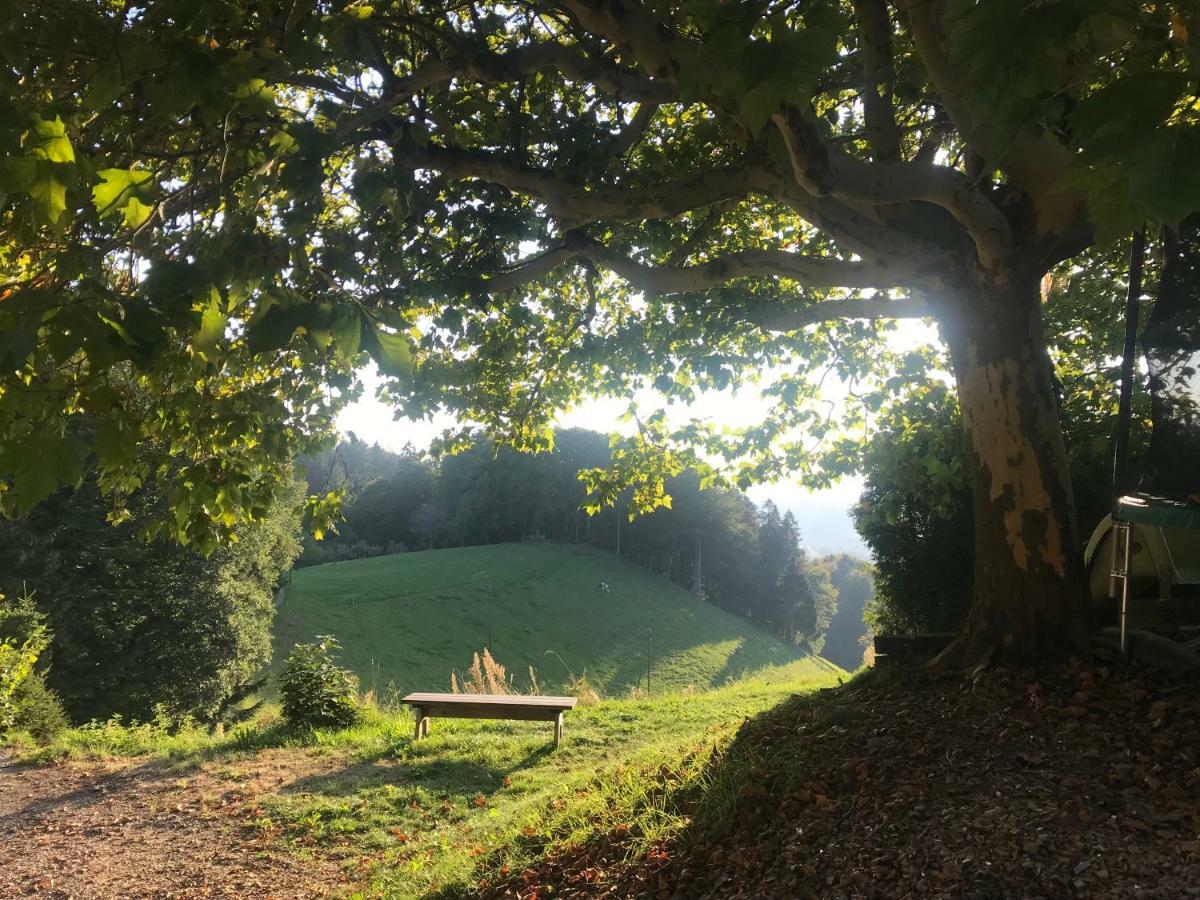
(489, 706)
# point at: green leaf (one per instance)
(283, 143)
(114, 445)
(255, 93)
(137, 212)
(391, 353)
(124, 190)
(213, 321)
(50, 195)
(15, 347)
(272, 328)
(41, 464)
(346, 325)
(49, 141)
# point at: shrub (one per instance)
(316, 692)
(23, 637)
(39, 710)
(486, 676)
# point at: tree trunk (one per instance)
(1030, 599)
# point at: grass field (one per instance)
(409, 619)
(475, 799)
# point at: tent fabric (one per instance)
(1164, 560)
(1145, 509)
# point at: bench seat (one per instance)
(489, 706)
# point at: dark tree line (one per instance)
(715, 542)
(148, 628)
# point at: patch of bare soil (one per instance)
(1080, 782)
(141, 829)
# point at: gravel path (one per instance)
(106, 829)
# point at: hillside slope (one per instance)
(410, 619)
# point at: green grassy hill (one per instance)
(412, 618)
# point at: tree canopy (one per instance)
(231, 205)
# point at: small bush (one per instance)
(39, 710)
(23, 637)
(316, 692)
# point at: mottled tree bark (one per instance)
(1030, 601)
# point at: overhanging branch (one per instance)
(572, 205)
(811, 271)
(814, 271)
(823, 170)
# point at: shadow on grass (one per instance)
(710, 801)
(434, 773)
(753, 652)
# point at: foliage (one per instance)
(230, 208)
(412, 618)
(137, 624)
(582, 690)
(23, 637)
(915, 513)
(39, 711)
(315, 691)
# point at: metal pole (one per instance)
(648, 633)
(1137, 251)
(1127, 568)
(1123, 531)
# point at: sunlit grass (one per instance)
(409, 619)
(475, 798)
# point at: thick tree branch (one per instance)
(528, 271)
(572, 205)
(815, 271)
(1032, 161)
(812, 271)
(825, 171)
(854, 227)
(623, 142)
(875, 47)
(630, 26)
(497, 68)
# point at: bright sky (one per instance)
(823, 516)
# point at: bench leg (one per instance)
(421, 720)
(558, 730)
(425, 727)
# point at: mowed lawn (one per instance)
(407, 620)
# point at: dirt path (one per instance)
(142, 829)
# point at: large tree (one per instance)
(507, 205)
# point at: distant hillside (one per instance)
(411, 618)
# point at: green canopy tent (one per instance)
(1152, 537)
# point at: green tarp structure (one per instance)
(1145, 509)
